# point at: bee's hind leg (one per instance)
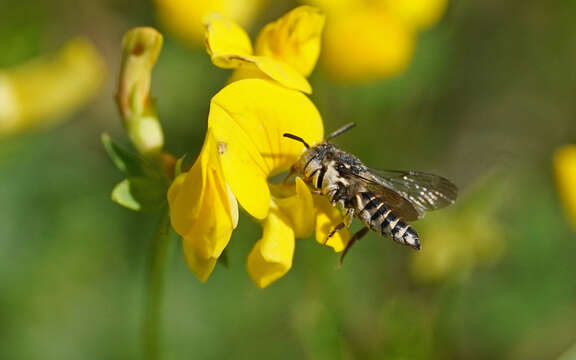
(357, 236)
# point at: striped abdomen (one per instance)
(378, 217)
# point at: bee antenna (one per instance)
(297, 138)
(343, 129)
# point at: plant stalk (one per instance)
(152, 322)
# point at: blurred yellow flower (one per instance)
(565, 168)
(184, 17)
(462, 237)
(419, 14)
(243, 149)
(286, 50)
(45, 90)
(370, 40)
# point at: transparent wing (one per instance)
(409, 193)
(425, 191)
(401, 206)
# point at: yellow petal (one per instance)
(47, 89)
(184, 17)
(260, 67)
(201, 266)
(230, 48)
(328, 217)
(299, 210)
(227, 43)
(565, 167)
(175, 191)
(285, 74)
(245, 170)
(186, 193)
(233, 206)
(271, 256)
(202, 210)
(294, 38)
(367, 45)
(418, 13)
(248, 72)
(209, 233)
(248, 119)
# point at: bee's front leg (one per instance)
(334, 231)
(346, 222)
(349, 216)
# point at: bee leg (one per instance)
(334, 231)
(349, 216)
(357, 236)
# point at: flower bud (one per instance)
(141, 47)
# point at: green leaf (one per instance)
(127, 162)
(140, 193)
(122, 195)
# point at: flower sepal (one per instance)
(145, 185)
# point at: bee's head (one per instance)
(311, 158)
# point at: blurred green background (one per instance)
(487, 98)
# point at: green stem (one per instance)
(151, 326)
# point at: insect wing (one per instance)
(425, 191)
(392, 198)
(399, 204)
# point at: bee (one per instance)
(383, 200)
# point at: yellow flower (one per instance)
(47, 89)
(184, 17)
(244, 148)
(565, 168)
(369, 40)
(286, 50)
